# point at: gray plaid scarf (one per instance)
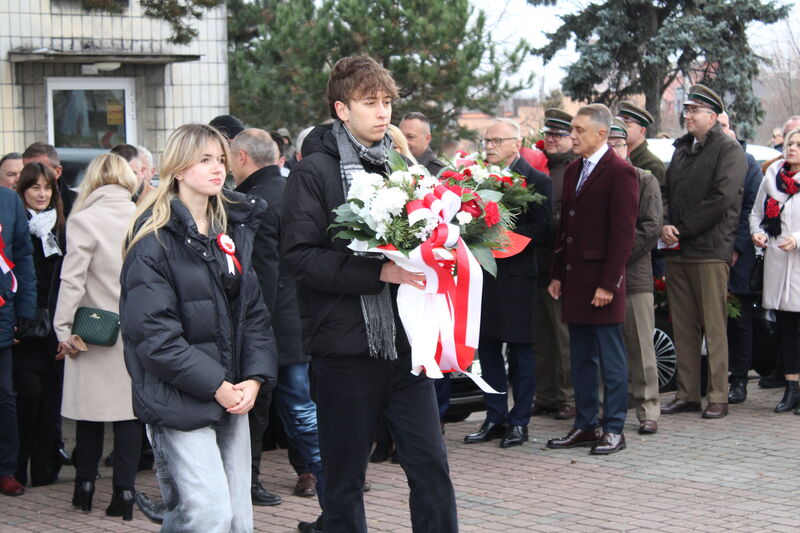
(376, 308)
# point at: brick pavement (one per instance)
(737, 474)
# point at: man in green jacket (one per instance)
(637, 120)
(702, 196)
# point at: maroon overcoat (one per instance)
(595, 239)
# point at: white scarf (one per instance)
(41, 225)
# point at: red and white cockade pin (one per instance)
(226, 245)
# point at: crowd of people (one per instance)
(180, 312)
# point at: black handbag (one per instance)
(95, 326)
(34, 328)
(757, 274)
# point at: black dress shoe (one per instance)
(791, 397)
(576, 437)
(737, 392)
(153, 511)
(311, 527)
(262, 496)
(63, 457)
(609, 443)
(121, 503)
(487, 432)
(515, 436)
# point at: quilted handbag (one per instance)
(95, 326)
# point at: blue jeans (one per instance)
(298, 413)
(204, 476)
(9, 435)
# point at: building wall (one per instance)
(167, 95)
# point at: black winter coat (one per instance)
(739, 282)
(277, 285)
(508, 301)
(38, 355)
(330, 278)
(182, 336)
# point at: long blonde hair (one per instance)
(184, 149)
(400, 142)
(105, 169)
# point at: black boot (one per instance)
(791, 397)
(738, 391)
(121, 503)
(83, 494)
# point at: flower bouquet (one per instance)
(443, 229)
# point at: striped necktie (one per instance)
(584, 175)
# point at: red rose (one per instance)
(773, 209)
(492, 214)
(472, 208)
(540, 144)
(467, 172)
(452, 175)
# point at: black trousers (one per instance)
(127, 449)
(788, 340)
(740, 340)
(258, 417)
(38, 406)
(352, 394)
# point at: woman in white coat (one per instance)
(97, 388)
(775, 226)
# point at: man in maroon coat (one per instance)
(598, 218)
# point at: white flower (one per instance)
(479, 174)
(418, 170)
(400, 177)
(388, 202)
(428, 182)
(421, 192)
(363, 186)
(425, 233)
(463, 218)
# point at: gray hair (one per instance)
(302, 137)
(509, 122)
(597, 113)
(787, 138)
(147, 155)
(790, 124)
(258, 145)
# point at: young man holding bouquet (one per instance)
(360, 352)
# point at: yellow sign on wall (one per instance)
(115, 112)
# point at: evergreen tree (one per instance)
(629, 47)
(282, 51)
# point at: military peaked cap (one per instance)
(636, 113)
(556, 119)
(700, 95)
(618, 130)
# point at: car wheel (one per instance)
(666, 357)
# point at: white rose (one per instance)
(400, 177)
(463, 218)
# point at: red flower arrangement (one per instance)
(773, 208)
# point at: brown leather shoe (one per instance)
(305, 487)
(609, 443)
(567, 412)
(647, 427)
(716, 410)
(576, 437)
(679, 406)
(539, 410)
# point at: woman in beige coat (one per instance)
(775, 225)
(97, 388)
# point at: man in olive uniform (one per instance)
(702, 196)
(637, 120)
(639, 314)
(554, 392)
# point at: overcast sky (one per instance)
(512, 20)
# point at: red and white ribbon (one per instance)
(227, 245)
(443, 320)
(6, 266)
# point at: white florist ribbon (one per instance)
(443, 320)
(6, 266)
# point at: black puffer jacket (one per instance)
(330, 278)
(182, 337)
